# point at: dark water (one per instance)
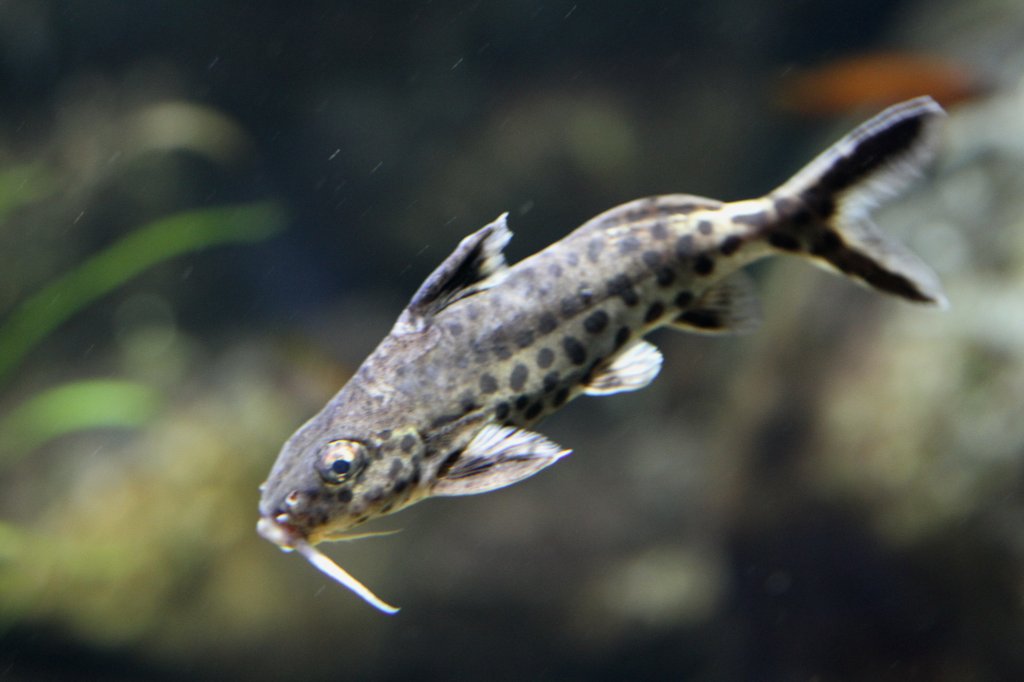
(211, 212)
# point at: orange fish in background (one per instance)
(876, 80)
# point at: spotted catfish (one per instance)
(446, 405)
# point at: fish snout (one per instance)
(279, 531)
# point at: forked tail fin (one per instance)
(824, 210)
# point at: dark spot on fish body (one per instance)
(545, 356)
(572, 258)
(560, 397)
(523, 338)
(665, 276)
(534, 410)
(649, 209)
(802, 218)
(501, 411)
(621, 286)
(522, 401)
(730, 245)
(547, 323)
(621, 337)
(502, 351)
(467, 401)
(684, 247)
(596, 322)
(479, 352)
(444, 419)
(408, 443)
(659, 230)
(400, 485)
(518, 378)
(683, 299)
(488, 384)
(703, 264)
(791, 211)
(641, 210)
(628, 245)
(555, 270)
(550, 381)
(344, 495)
(783, 240)
(574, 350)
(473, 312)
(705, 227)
(455, 328)
(654, 312)
(396, 468)
(385, 434)
(652, 259)
(462, 360)
(570, 307)
(818, 203)
(594, 249)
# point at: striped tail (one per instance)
(824, 209)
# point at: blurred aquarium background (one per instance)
(210, 212)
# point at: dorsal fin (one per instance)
(728, 307)
(476, 264)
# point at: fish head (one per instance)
(329, 479)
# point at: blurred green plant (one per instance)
(78, 405)
(22, 185)
(34, 318)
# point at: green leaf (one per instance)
(72, 407)
(40, 314)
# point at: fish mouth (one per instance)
(288, 538)
(279, 532)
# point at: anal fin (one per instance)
(630, 370)
(728, 307)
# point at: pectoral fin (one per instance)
(630, 370)
(498, 456)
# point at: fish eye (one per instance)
(340, 460)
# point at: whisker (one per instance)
(332, 570)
